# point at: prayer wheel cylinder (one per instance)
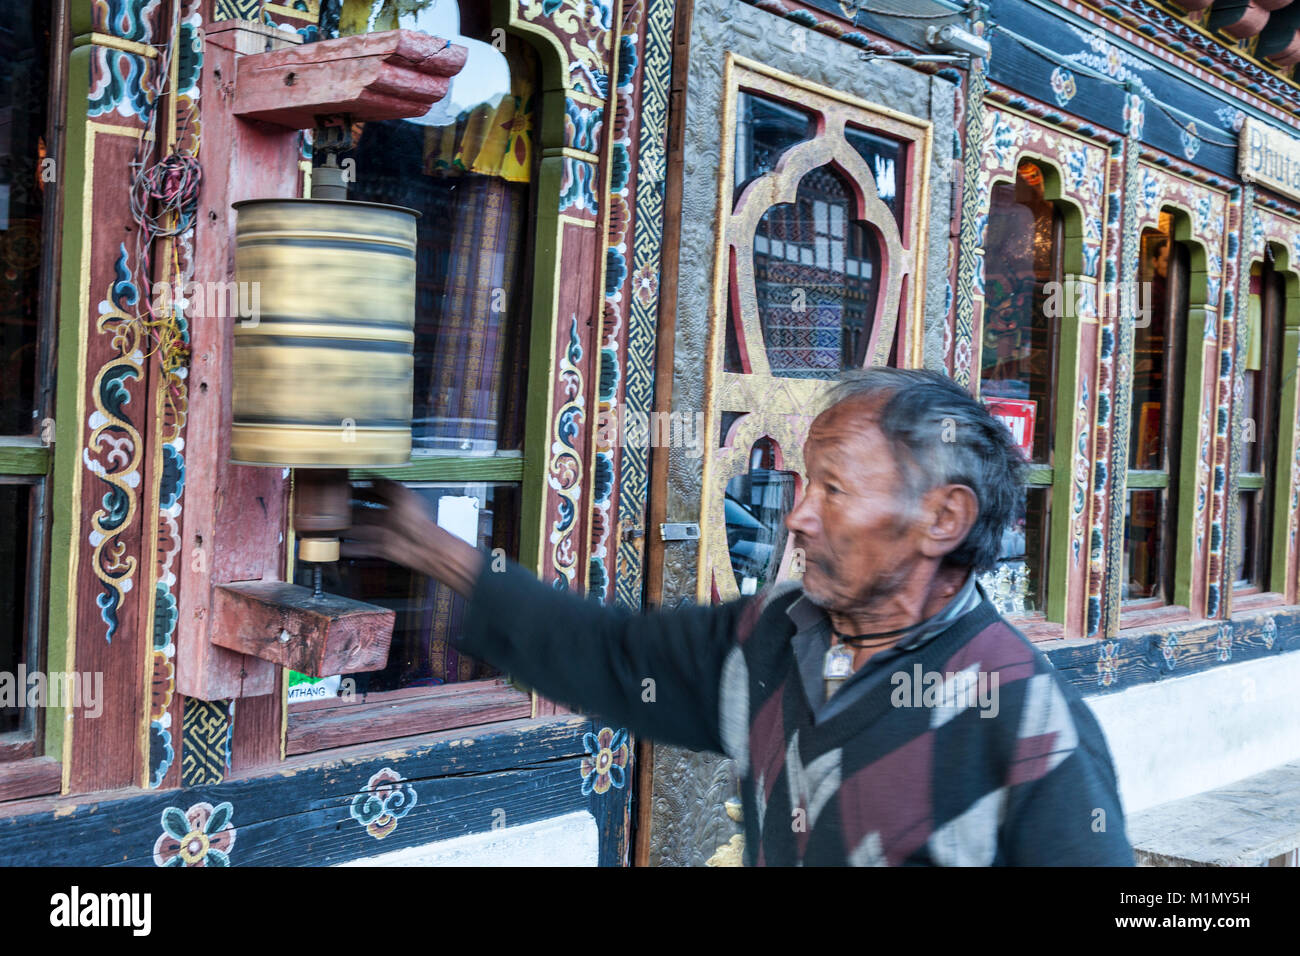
(324, 371)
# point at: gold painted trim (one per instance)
(291, 12)
(571, 152)
(575, 221)
(116, 43)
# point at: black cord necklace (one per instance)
(874, 640)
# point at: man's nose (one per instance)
(802, 518)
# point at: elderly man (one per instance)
(880, 713)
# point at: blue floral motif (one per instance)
(387, 798)
(1063, 85)
(1006, 137)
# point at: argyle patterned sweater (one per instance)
(907, 775)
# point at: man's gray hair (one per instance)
(940, 435)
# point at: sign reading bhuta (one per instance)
(1270, 157)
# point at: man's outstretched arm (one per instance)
(657, 674)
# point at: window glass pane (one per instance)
(1018, 584)
(756, 505)
(15, 504)
(1147, 439)
(24, 45)
(816, 277)
(1250, 450)
(887, 160)
(466, 168)
(1245, 547)
(429, 614)
(1022, 254)
(1142, 545)
(765, 128)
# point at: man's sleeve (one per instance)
(1070, 815)
(657, 673)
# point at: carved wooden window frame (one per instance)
(780, 408)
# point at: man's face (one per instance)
(855, 531)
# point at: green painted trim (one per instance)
(1039, 474)
(19, 457)
(1142, 480)
(1250, 482)
(544, 334)
(1278, 571)
(431, 468)
(1058, 531)
(1189, 456)
(71, 373)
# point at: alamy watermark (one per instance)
(969, 688)
(1092, 300)
(210, 300)
(627, 428)
(55, 689)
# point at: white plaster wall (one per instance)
(1184, 735)
(569, 840)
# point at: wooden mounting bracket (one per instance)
(376, 76)
(284, 623)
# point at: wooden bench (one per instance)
(1252, 822)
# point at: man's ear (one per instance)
(951, 511)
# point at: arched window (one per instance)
(1252, 557)
(817, 264)
(1023, 257)
(1155, 429)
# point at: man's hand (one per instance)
(397, 527)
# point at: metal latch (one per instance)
(679, 531)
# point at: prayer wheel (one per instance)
(324, 368)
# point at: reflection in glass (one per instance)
(816, 279)
(885, 158)
(1260, 405)
(429, 614)
(765, 129)
(15, 504)
(466, 168)
(1243, 545)
(756, 504)
(1018, 584)
(1022, 254)
(1143, 527)
(24, 42)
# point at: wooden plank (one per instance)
(1109, 666)
(16, 746)
(29, 778)
(258, 731)
(19, 456)
(1247, 823)
(389, 696)
(307, 813)
(338, 727)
